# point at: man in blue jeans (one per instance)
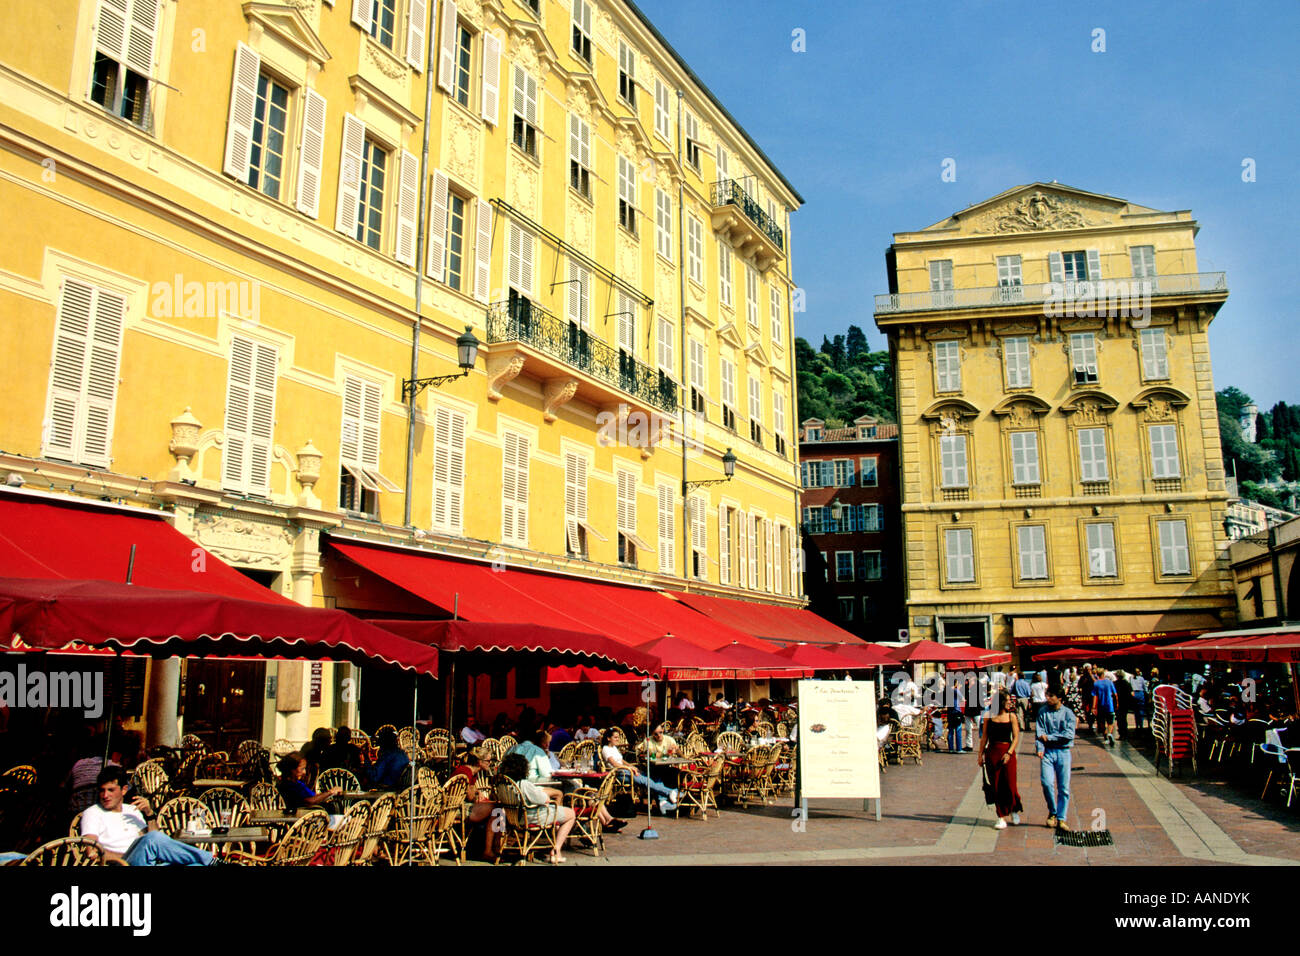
(1055, 731)
(129, 831)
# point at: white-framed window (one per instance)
(843, 472)
(774, 293)
(665, 352)
(1015, 358)
(1092, 455)
(755, 409)
(1083, 357)
(520, 259)
(257, 131)
(627, 323)
(1175, 557)
(871, 519)
(627, 194)
(728, 379)
(463, 71)
(664, 224)
(724, 164)
(1155, 356)
(625, 518)
(448, 471)
(514, 488)
(724, 274)
(843, 565)
(698, 355)
(699, 528)
(947, 366)
(867, 470)
(959, 555)
(1024, 458)
(812, 519)
(1164, 451)
(751, 296)
(952, 461)
(1101, 550)
(695, 249)
(122, 69)
(726, 545)
(667, 527)
(360, 481)
(662, 127)
(1074, 267)
(692, 140)
(1031, 545)
(383, 21)
(627, 74)
(579, 286)
(751, 548)
(83, 374)
(581, 28)
(941, 275)
(575, 504)
(778, 419)
(1143, 259)
(870, 566)
(579, 156)
(524, 105)
(250, 417)
(1009, 272)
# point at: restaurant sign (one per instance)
(1101, 639)
(837, 740)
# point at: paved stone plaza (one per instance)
(935, 814)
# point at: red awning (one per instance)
(1257, 645)
(1048, 630)
(1071, 654)
(53, 614)
(931, 652)
(835, 657)
(680, 660)
(762, 663)
(562, 645)
(984, 658)
(772, 622)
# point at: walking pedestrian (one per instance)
(997, 754)
(955, 717)
(1055, 738)
(1104, 695)
(1038, 695)
(1123, 702)
(1085, 693)
(1139, 685)
(1023, 691)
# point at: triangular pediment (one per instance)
(289, 25)
(755, 351)
(1039, 207)
(727, 333)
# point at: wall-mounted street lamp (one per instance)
(728, 469)
(466, 356)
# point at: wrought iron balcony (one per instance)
(751, 231)
(519, 320)
(1111, 296)
(728, 192)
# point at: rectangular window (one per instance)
(869, 566)
(519, 256)
(947, 366)
(695, 249)
(843, 565)
(525, 111)
(871, 519)
(775, 311)
(662, 128)
(250, 417)
(959, 552)
(1092, 455)
(455, 240)
(663, 225)
(448, 471)
(579, 156)
(1164, 451)
(1101, 550)
(728, 394)
(1031, 543)
(383, 16)
(692, 140)
(843, 472)
(724, 171)
(665, 353)
(270, 121)
(698, 354)
(867, 471)
(724, 274)
(124, 59)
(579, 297)
(1174, 555)
(627, 74)
(1075, 265)
(699, 527)
(627, 313)
(1083, 357)
(667, 527)
(1015, 357)
(83, 375)
(575, 504)
(582, 29)
(1143, 259)
(941, 287)
(751, 296)
(846, 608)
(1024, 458)
(464, 63)
(751, 548)
(514, 489)
(952, 460)
(755, 410)
(1155, 357)
(1009, 272)
(812, 519)
(360, 481)
(778, 420)
(370, 203)
(627, 194)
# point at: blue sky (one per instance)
(861, 122)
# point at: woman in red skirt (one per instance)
(997, 751)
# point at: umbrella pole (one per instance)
(415, 713)
(117, 671)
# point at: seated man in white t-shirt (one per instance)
(129, 831)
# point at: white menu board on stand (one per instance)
(838, 749)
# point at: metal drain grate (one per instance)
(1084, 838)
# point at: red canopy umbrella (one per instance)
(678, 660)
(832, 657)
(984, 658)
(930, 652)
(1070, 654)
(56, 614)
(762, 663)
(1137, 650)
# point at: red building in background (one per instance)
(852, 514)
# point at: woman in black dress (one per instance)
(997, 753)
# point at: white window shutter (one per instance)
(262, 420)
(767, 556)
(68, 371)
(521, 490)
(243, 107)
(456, 472)
(490, 101)
(361, 14)
(483, 252)
(1055, 267)
(441, 467)
(436, 260)
(447, 47)
(508, 486)
(354, 141)
(111, 28)
(724, 549)
(407, 201)
(353, 411)
(667, 533)
(370, 426)
(141, 36)
(1094, 265)
(526, 262)
(514, 519)
(311, 161)
(417, 25)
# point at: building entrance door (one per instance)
(223, 702)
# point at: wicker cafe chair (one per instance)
(447, 832)
(150, 781)
(408, 837)
(586, 803)
(697, 786)
(728, 741)
(567, 752)
(213, 764)
(282, 747)
(783, 773)
(265, 796)
(524, 835)
(695, 745)
(18, 777)
(406, 738)
(193, 743)
(221, 799)
(337, 777)
(492, 748)
(380, 813)
(299, 845)
(345, 840)
(508, 743)
(908, 742)
(176, 813)
(384, 727)
(361, 739)
(586, 750)
(426, 779)
(439, 747)
(782, 729)
(74, 828)
(765, 729)
(66, 851)
(749, 783)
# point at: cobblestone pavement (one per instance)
(934, 814)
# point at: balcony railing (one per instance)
(520, 320)
(728, 192)
(1104, 294)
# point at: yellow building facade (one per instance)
(222, 216)
(1062, 475)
